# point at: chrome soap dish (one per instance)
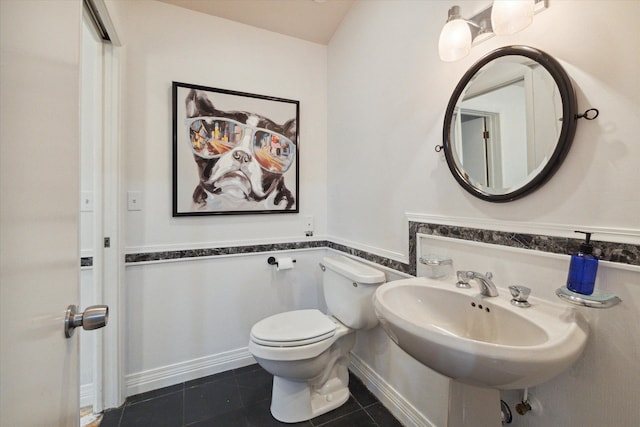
(437, 266)
(595, 300)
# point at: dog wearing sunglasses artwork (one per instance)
(241, 157)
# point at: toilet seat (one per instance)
(323, 330)
(293, 329)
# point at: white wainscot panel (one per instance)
(415, 394)
(191, 318)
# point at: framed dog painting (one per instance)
(233, 152)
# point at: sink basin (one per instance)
(480, 341)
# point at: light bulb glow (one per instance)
(455, 40)
(511, 16)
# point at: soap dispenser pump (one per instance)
(583, 268)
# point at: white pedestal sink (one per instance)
(484, 342)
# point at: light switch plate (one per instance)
(134, 200)
(308, 225)
(86, 201)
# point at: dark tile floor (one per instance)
(237, 398)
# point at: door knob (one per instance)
(94, 317)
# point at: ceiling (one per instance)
(311, 20)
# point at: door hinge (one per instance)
(485, 134)
(107, 242)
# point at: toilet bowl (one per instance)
(303, 363)
(307, 351)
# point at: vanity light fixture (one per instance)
(511, 16)
(502, 17)
(455, 37)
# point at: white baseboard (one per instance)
(164, 376)
(404, 411)
(86, 395)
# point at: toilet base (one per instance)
(293, 401)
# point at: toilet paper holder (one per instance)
(273, 261)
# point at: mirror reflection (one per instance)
(505, 131)
(507, 123)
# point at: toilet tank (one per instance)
(348, 290)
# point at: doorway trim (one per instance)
(109, 380)
(492, 142)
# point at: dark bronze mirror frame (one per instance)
(569, 115)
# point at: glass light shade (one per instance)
(455, 40)
(511, 16)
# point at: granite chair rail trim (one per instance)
(608, 251)
(230, 250)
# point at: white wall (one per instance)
(384, 68)
(165, 43)
(388, 92)
(192, 318)
(372, 107)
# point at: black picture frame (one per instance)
(234, 153)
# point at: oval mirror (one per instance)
(509, 123)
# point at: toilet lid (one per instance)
(293, 328)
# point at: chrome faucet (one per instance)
(487, 287)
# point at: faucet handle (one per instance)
(463, 279)
(520, 295)
(520, 292)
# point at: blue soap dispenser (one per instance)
(583, 268)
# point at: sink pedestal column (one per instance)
(471, 406)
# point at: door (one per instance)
(474, 148)
(39, 225)
(481, 146)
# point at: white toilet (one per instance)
(307, 352)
